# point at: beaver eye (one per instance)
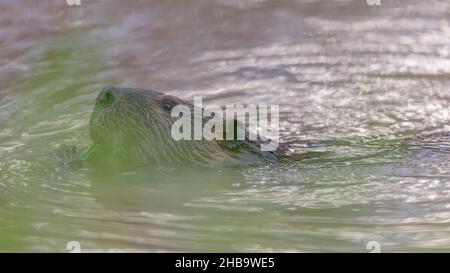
(167, 105)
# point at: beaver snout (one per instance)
(108, 95)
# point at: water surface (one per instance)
(364, 100)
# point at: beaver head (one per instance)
(134, 126)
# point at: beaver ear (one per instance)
(237, 127)
(233, 144)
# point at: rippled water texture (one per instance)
(364, 99)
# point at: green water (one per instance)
(364, 100)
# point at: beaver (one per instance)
(133, 126)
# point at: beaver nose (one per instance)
(107, 95)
